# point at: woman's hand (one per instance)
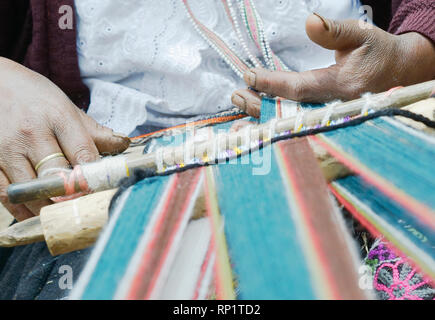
(367, 60)
(36, 120)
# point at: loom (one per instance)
(202, 225)
(108, 173)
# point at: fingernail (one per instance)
(251, 78)
(324, 20)
(239, 101)
(122, 136)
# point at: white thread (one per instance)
(329, 111)
(289, 108)
(187, 155)
(106, 173)
(215, 147)
(272, 128)
(368, 103)
(247, 135)
(299, 119)
(159, 160)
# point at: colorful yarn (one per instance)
(222, 117)
(384, 217)
(394, 278)
(290, 243)
(157, 253)
(376, 150)
(142, 220)
(222, 268)
(277, 247)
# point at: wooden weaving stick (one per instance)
(54, 186)
(66, 226)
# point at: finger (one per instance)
(18, 169)
(44, 148)
(248, 101)
(310, 86)
(107, 141)
(337, 35)
(20, 212)
(74, 140)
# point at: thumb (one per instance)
(106, 141)
(336, 35)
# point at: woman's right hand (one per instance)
(37, 120)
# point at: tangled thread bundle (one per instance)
(394, 278)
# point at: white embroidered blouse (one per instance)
(145, 64)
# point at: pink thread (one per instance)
(397, 283)
(70, 181)
(390, 92)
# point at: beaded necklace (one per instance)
(254, 25)
(230, 56)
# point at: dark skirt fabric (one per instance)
(31, 273)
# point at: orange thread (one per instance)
(72, 179)
(206, 121)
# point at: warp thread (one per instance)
(368, 102)
(329, 111)
(272, 128)
(159, 160)
(299, 121)
(247, 134)
(215, 150)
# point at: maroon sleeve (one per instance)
(52, 51)
(414, 16)
(30, 35)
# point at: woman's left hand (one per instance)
(368, 59)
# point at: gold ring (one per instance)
(48, 158)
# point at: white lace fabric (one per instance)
(144, 63)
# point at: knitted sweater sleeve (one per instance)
(414, 16)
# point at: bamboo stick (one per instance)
(53, 186)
